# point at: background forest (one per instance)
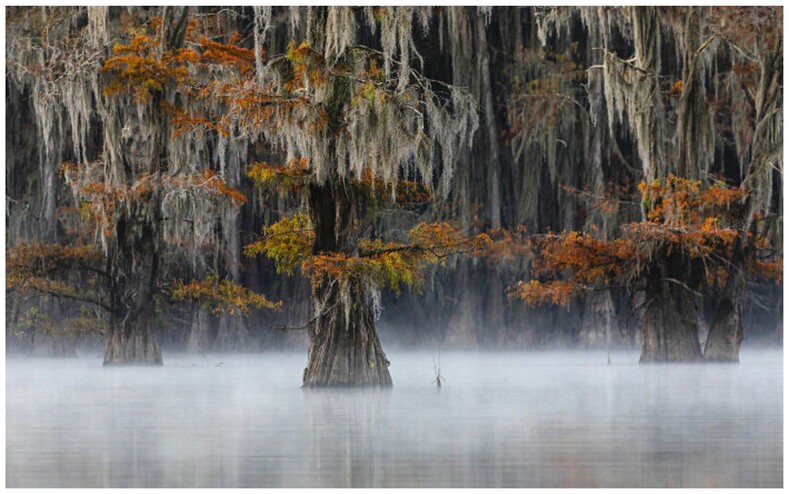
(556, 116)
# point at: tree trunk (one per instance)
(233, 335)
(131, 339)
(599, 320)
(343, 345)
(670, 322)
(463, 324)
(199, 331)
(344, 349)
(493, 165)
(723, 341)
(134, 261)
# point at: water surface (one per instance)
(525, 419)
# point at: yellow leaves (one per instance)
(306, 67)
(287, 242)
(297, 54)
(391, 269)
(225, 296)
(394, 264)
(287, 176)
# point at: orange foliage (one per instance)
(224, 296)
(229, 54)
(183, 122)
(676, 89)
(767, 269)
(49, 268)
(681, 217)
(588, 259)
(140, 67)
(392, 264)
(507, 245)
(537, 294)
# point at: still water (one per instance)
(554, 419)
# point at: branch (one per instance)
(704, 45)
(683, 285)
(70, 296)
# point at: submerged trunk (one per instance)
(723, 340)
(599, 321)
(344, 349)
(463, 324)
(134, 261)
(131, 339)
(343, 345)
(232, 335)
(200, 330)
(670, 321)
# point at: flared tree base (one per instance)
(344, 350)
(138, 348)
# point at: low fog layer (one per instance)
(532, 419)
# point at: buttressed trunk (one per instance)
(725, 336)
(131, 340)
(135, 261)
(670, 320)
(344, 349)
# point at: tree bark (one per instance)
(494, 187)
(232, 335)
(131, 340)
(134, 261)
(344, 349)
(725, 335)
(670, 321)
(200, 330)
(463, 324)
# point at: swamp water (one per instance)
(524, 419)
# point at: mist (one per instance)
(398, 246)
(500, 419)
